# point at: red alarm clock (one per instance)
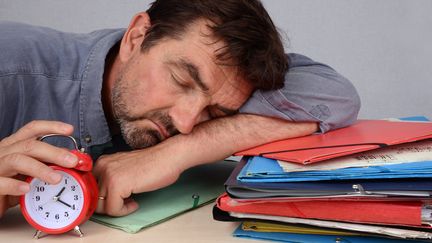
(57, 209)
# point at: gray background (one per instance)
(384, 47)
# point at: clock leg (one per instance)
(78, 231)
(37, 234)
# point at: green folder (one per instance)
(196, 187)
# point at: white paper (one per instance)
(426, 214)
(397, 154)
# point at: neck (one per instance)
(112, 67)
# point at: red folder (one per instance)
(362, 136)
(407, 213)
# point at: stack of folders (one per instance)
(370, 182)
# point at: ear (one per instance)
(134, 35)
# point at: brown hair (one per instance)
(252, 41)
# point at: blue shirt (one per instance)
(51, 75)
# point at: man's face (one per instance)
(173, 86)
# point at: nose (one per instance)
(186, 115)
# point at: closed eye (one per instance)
(216, 111)
(178, 82)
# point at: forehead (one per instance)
(199, 48)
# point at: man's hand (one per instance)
(123, 174)
(21, 154)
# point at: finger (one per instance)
(39, 128)
(117, 206)
(43, 152)
(7, 202)
(13, 164)
(13, 201)
(102, 196)
(3, 204)
(113, 203)
(9, 186)
(100, 208)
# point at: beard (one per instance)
(136, 136)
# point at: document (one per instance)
(396, 154)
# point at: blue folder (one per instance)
(394, 187)
(309, 238)
(260, 169)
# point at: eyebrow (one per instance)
(193, 72)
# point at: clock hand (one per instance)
(57, 197)
(60, 192)
(60, 201)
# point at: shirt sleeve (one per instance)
(313, 92)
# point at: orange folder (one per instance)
(407, 213)
(362, 136)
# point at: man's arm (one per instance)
(220, 138)
(123, 174)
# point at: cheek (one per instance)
(242, 95)
(149, 91)
(232, 98)
(128, 92)
(233, 93)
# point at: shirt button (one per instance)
(87, 139)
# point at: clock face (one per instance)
(55, 206)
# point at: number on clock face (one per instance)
(55, 206)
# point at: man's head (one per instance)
(185, 62)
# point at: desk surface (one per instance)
(194, 226)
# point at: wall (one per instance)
(383, 46)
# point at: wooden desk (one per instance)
(195, 226)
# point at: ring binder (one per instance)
(359, 189)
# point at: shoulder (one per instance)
(42, 50)
(19, 38)
(14, 36)
(29, 49)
